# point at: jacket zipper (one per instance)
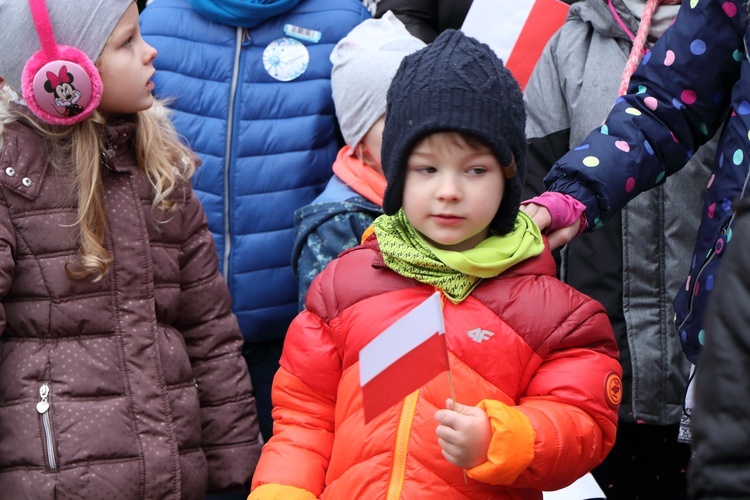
(691, 297)
(711, 253)
(42, 407)
(242, 33)
(402, 443)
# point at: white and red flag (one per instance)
(407, 355)
(517, 30)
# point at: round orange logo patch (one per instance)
(613, 389)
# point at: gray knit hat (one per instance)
(364, 62)
(456, 84)
(83, 24)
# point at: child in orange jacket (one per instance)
(534, 363)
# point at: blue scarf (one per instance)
(242, 13)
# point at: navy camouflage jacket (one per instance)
(332, 223)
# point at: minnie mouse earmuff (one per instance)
(60, 84)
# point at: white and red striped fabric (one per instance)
(517, 30)
(407, 355)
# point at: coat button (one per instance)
(10, 171)
(26, 182)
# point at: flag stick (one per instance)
(450, 383)
(453, 398)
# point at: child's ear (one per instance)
(365, 157)
(359, 152)
(510, 171)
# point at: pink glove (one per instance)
(563, 209)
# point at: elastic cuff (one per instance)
(583, 225)
(280, 492)
(564, 210)
(512, 447)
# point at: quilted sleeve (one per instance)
(304, 398)
(572, 400)
(231, 439)
(677, 100)
(7, 262)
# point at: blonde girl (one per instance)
(120, 366)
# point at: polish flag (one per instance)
(407, 355)
(517, 30)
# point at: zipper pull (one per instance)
(42, 406)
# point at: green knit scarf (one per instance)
(406, 252)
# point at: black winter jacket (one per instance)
(720, 467)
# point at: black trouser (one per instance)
(646, 463)
(262, 363)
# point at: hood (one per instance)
(242, 13)
(597, 13)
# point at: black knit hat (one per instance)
(455, 84)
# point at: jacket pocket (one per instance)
(48, 433)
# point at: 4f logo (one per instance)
(478, 335)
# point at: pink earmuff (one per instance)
(60, 84)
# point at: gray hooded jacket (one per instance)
(635, 264)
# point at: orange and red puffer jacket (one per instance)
(545, 371)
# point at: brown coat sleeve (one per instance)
(230, 439)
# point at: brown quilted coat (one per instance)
(130, 387)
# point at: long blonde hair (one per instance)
(159, 153)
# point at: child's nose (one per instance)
(150, 53)
(449, 189)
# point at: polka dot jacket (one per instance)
(694, 81)
(130, 387)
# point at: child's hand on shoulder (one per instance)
(464, 434)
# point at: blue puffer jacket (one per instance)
(695, 80)
(267, 145)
